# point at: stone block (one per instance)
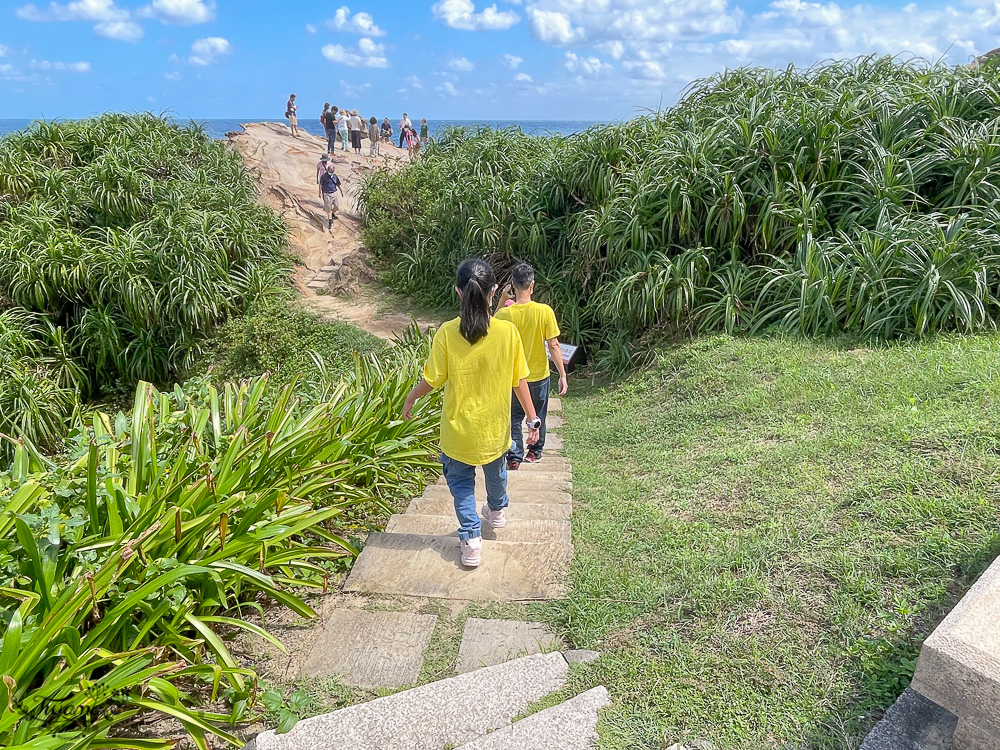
(538, 531)
(913, 723)
(489, 642)
(581, 656)
(515, 493)
(370, 649)
(443, 505)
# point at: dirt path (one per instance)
(287, 170)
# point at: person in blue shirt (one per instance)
(329, 183)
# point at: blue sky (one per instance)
(512, 59)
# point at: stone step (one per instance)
(441, 505)
(530, 532)
(419, 565)
(444, 713)
(560, 481)
(568, 726)
(516, 493)
(548, 464)
(553, 422)
(488, 642)
(555, 405)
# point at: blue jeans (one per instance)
(540, 399)
(461, 480)
(331, 139)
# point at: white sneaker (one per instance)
(472, 552)
(497, 519)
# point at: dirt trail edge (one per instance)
(286, 169)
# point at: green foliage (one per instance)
(282, 339)
(126, 566)
(856, 196)
(125, 240)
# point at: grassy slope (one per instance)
(767, 529)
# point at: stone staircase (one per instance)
(418, 554)
(480, 708)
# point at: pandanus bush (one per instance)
(127, 240)
(127, 565)
(857, 196)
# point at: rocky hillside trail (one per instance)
(333, 273)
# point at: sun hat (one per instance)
(325, 157)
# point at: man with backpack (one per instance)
(329, 184)
(538, 328)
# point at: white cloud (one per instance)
(369, 54)
(79, 10)
(461, 14)
(360, 23)
(650, 69)
(173, 76)
(523, 77)
(461, 64)
(414, 82)
(122, 31)
(511, 61)
(354, 90)
(74, 67)
(180, 12)
(447, 88)
(590, 66)
(310, 28)
(4, 51)
(209, 50)
(554, 27)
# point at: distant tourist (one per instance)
(386, 130)
(330, 127)
(321, 165)
(373, 136)
(342, 127)
(290, 109)
(329, 185)
(425, 133)
(412, 141)
(356, 126)
(403, 125)
(538, 328)
(478, 360)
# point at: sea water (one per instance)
(219, 128)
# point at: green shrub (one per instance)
(856, 196)
(280, 338)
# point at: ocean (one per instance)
(219, 128)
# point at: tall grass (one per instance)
(124, 240)
(854, 196)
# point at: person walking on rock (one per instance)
(329, 184)
(478, 360)
(538, 328)
(290, 109)
(330, 127)
(373, 136)
(356, 126)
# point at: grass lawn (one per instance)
(767, 529)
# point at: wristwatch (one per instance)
(534, 424)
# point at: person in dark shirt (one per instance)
(329, 183)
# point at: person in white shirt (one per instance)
(356, 126)
(342, 127)
(403, 125)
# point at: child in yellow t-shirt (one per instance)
(538, 328)
(478, 360)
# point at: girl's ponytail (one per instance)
(476, 281)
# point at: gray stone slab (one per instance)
(555, 405)
(959, 664)
(976, 734)
(443, 505)
(535, 531)
(553, 422)
(913, 723)
(581, 656)
(417, 565)
(548, 464)
(370, 649)
(535, 493)
(538, 480)
(489, 642)
(554, 442)
(444, 713)
(568, 726)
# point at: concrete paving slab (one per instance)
(553, 422)
(530, 531)
(548, 464)
(555, 405)
(417, 565)
(536, 493)
(568, 726)
(370, 649)
(443, 505)
(444, 713)
(913, 723)
(540, 480)
(489, 642)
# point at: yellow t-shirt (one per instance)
(478, 380)
(537, 324)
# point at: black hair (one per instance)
(475, 280)
(521, 276)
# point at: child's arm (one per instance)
(556, 353)
(420, 390)
(524, 396)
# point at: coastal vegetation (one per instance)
(260, 440)
(856, 196)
